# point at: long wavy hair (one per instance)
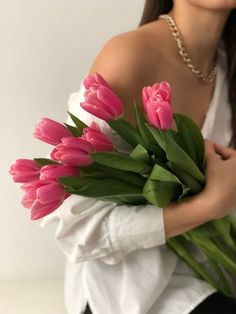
(154, 8)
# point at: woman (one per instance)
(117, 258)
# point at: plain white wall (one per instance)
(46, 47)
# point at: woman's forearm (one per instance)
(184, 216)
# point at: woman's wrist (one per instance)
(180, 217)
(217, 208)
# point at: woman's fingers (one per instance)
(223, 151)
(213, 149)
(210, 150)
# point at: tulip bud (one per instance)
(100, 100)
(53, 172)
(99, 140)
(42, 197)
(24, 170)
(50, 131)
(73, 151)
(156, 100)
(94, 81)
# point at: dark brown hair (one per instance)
(154, 8)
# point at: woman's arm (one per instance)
(93, 229)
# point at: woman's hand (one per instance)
(220, 172)
(216, 200)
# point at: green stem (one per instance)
(223, 226)
(224, 247)
(226, 289)
(215, 253)
(177, 246)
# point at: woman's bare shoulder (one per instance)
(125, 61)
(125, 55)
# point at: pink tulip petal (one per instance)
(75, 143)
(100, 142)
(94, 81)
(30, 186)
(144, 97)
(25, 177)
(100, 80)
(38, 210)
(166, 86)
(50, 193)
(77, 159)
(97, 112)
(154, 119)
(52, 172)
(93, 126)
(25, 164)
(165, 116)
(110, 99)
(158, 109)
(94, 100)
(24, 170)
(27, 202)
(50, 131)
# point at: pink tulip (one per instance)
(99, 140)
(100, 100)
(50, 131)
(53, 172)
(150, 93)
(156, 100)
(42, 197)
(73, 151)
(95, 81)
(24, 170)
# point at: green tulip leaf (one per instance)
(162, 187)
(176, 136)
(191, 137)
(184, 194)
(141, 154)
(186, 178)
(158, 135)
(78, 123)
(75, 182)
(122, 162)
(73, 130)
(175, 153)
(45, 161)
(150, 142)
(103, 171)
(100, 188)
(126, 199)
(127, 132)
(178, 156)
(232, 220)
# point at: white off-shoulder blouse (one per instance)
(117, 258)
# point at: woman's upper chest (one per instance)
(192, 99)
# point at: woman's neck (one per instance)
(201, 30)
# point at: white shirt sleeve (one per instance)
(88, 228)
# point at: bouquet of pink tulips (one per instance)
(163, 166)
